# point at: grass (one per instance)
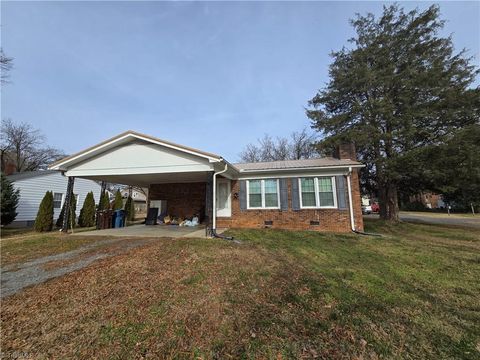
(21, 246)
(278, 295)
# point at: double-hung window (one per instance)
(263, 194)
(318, 192)
(57, 200)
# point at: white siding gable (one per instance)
(139, 158)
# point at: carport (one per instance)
(185, 179)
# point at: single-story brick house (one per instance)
(316, 194)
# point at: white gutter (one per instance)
(214, 200)
(349, 187)
(242, 171)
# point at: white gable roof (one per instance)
(123, 139)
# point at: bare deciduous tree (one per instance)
(300, 145)
(24, 147)
(6, 64)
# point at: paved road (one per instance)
(441, 219)
(15, 277)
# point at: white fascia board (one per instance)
(324, 171)
(139, 170)
(292, 175)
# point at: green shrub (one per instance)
(130, 209)
(87, 213)
(118, 204)
(73, 206)
(44, 219)
(9, 199)
(104, 203)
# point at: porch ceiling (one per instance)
(144, 180)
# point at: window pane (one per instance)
(308, 192)
(324, 184)
(271, 193)
(255, 200)
(326, 199)
(325, 191)
(254, 187)
(57, 200)
(270, 186)
(308, 185)
(271, 200)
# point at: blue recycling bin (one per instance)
(118, 218)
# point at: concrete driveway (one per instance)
(150, 231)
(437, 219)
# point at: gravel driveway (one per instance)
(15, 277)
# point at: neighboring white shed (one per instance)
(34, 184)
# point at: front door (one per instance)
(223, 198)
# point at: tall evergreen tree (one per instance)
(9, 199)
(130, 209)
(400, 88)
(44, 219)
(87, 213)
(453, 168)
(118, 204)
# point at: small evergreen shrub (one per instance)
(9, 201)
(130, 209)
(44, 219)
(87, 213)
(73, 215)
(104, 203)
(73, 206)
(118, 204)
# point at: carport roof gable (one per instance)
(122, 138)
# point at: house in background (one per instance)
(316, 194)
(34, 184)
(139, 199)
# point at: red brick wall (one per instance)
(183, 199)
(330, 219)
(357, 201)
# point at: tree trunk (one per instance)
(388, 201)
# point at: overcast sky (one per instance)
(215, 76)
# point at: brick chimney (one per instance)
(345, 151)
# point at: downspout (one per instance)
(214, 200)
(349, 187)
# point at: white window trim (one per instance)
(61, 200)
(317, 195)
(262, 192)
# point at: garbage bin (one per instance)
(104, 219)
(118, 219)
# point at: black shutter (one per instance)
(283, 194)
(341, 192)
(243, 195)
(295, 194)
